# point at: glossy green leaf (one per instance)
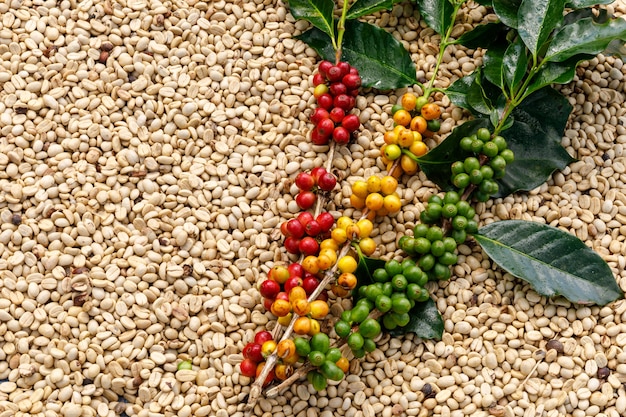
(426, 322)
(580, 4)
(364, 270)
(553, 261)
(366, 7)
(576, 15)
(382, 61)
(319, 41)
(477, 98)
(438, 14)
(584, 37)
(436, 163)
(514, 65)
(616, 48)
(482, 36)
(556, 73)
(457, 91)
(535, 139)
(492, 66)
(536, 21)
(506, 10)
(318, 12)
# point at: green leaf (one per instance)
(535, 139)
(556, 73)
(482, 36)
(580, 4)
(457, 91)
(426, 322)
(319, 41)
(364, 270)
(514, 65)
(492, 66)
(584, 37)
(366, 7)
(536, 21)
(382, 61)
(438, 14)
(436, 163)
(553, 261)
(318, 12)
(477, 98)
(506, 10)
(616, 48)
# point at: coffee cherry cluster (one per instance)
(329, 362)
(301, 233)
(255, 353)
(286, 288)
(336, 87)
(487, 163)
(414, 118)
(376, 194)
(309, 183)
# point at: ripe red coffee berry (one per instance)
(319, 114)
(337, 114)
(338, 88)
(292, 283)
(318, 139)
(325, 220)
(269, 289)
(351, 81)
(317, 172)
(313, 228)
(305, 217)
(283, 294)
(308, 246)
(262, 337)
(295, 270)
(292, 245)
(351, 122)
(310, 284)
(326, 127)
(267, 304)
(295, 228)
(341, 135)
(305, 181)
(248, 368)
(334, 73)
(344, 67)
(324, 66)
(327, 182)
(306, 199)
(325, 101)
(318, 79)
(253, 351)
(343, 101)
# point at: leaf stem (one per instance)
(442, 47)
(341, 29)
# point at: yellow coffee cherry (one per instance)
(388, 185)
(367, 246)
(392, 203)
(374, 201)
(365, 227)
(373, 184)
(343, 222)
(347, 264)
(359, 188)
